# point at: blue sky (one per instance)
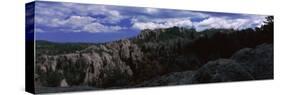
(73, 22)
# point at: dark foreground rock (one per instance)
(245, 64)
(258, 61)
(175, 78)
(222, 70)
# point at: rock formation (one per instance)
(153, 58)
(245, 64)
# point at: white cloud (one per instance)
(224, 22)
(44, 9)
(77, 24)
(193, 14)
(162, 23)
(58, 13)
(151, 10)
(97, 27)
(258, 20)
(84, 17)
(112, 17)
(79, 21)
(57, 16)
(211, 22)
(73, 21)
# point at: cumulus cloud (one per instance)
(77, 24)
(72, 17)
(78, 21)
(224, 22)
(97, 27)
(162, 23)
(207, 23)
(111, 15)
(74, 21)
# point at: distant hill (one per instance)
(53, 48)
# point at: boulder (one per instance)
(257, 61)
(63, 83)
(221, 70)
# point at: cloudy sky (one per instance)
(72, 22)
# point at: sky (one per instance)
(74, 22)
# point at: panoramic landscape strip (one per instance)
(75, 47)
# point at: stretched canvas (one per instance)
(77, 47)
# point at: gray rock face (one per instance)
(97, 66)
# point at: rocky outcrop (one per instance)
(97, 66)
(222, 70)
(245, 64)
(258, 61)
